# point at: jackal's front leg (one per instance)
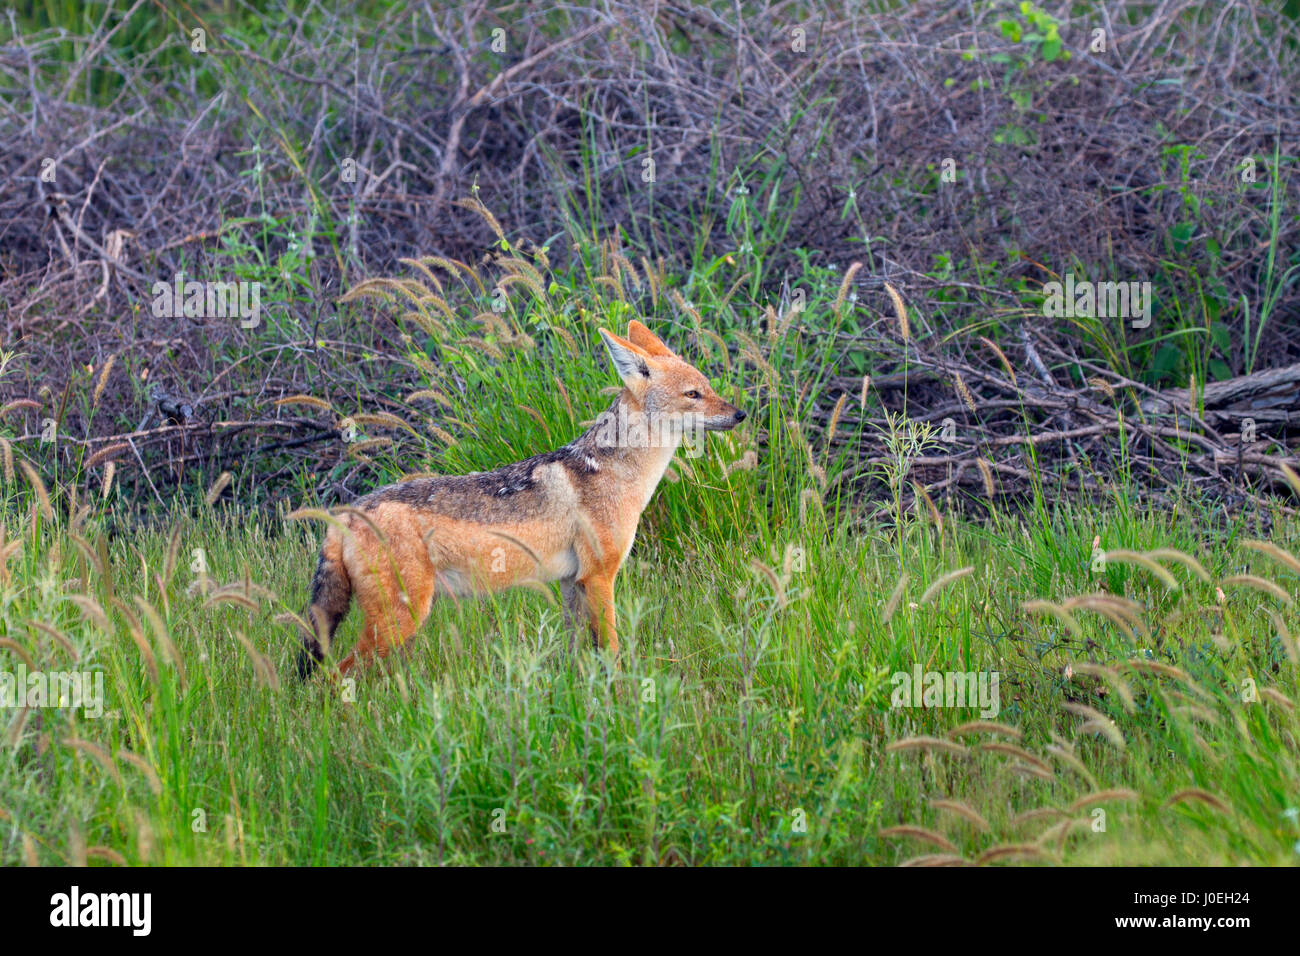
(599, 591)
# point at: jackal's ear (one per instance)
(629, 361)
(643, 338)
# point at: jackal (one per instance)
(568, 515)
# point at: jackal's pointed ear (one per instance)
(629, 361)
(643, 338)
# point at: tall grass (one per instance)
(750, 720)
(1147, 699)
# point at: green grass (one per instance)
(763, 614)
(748, 721)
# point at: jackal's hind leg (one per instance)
(378, 638)
(389, 620)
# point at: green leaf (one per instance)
(1165, 365)
(1181, 235)
(1220, 336)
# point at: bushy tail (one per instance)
(331, 594)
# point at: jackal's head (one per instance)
(664, 385)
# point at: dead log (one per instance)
(1269, 399)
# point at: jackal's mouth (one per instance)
(725, 423)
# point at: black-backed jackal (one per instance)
(567, 515)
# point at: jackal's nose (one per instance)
(740, 415)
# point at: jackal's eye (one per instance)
(692, 394)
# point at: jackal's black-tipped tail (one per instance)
(331, 593)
